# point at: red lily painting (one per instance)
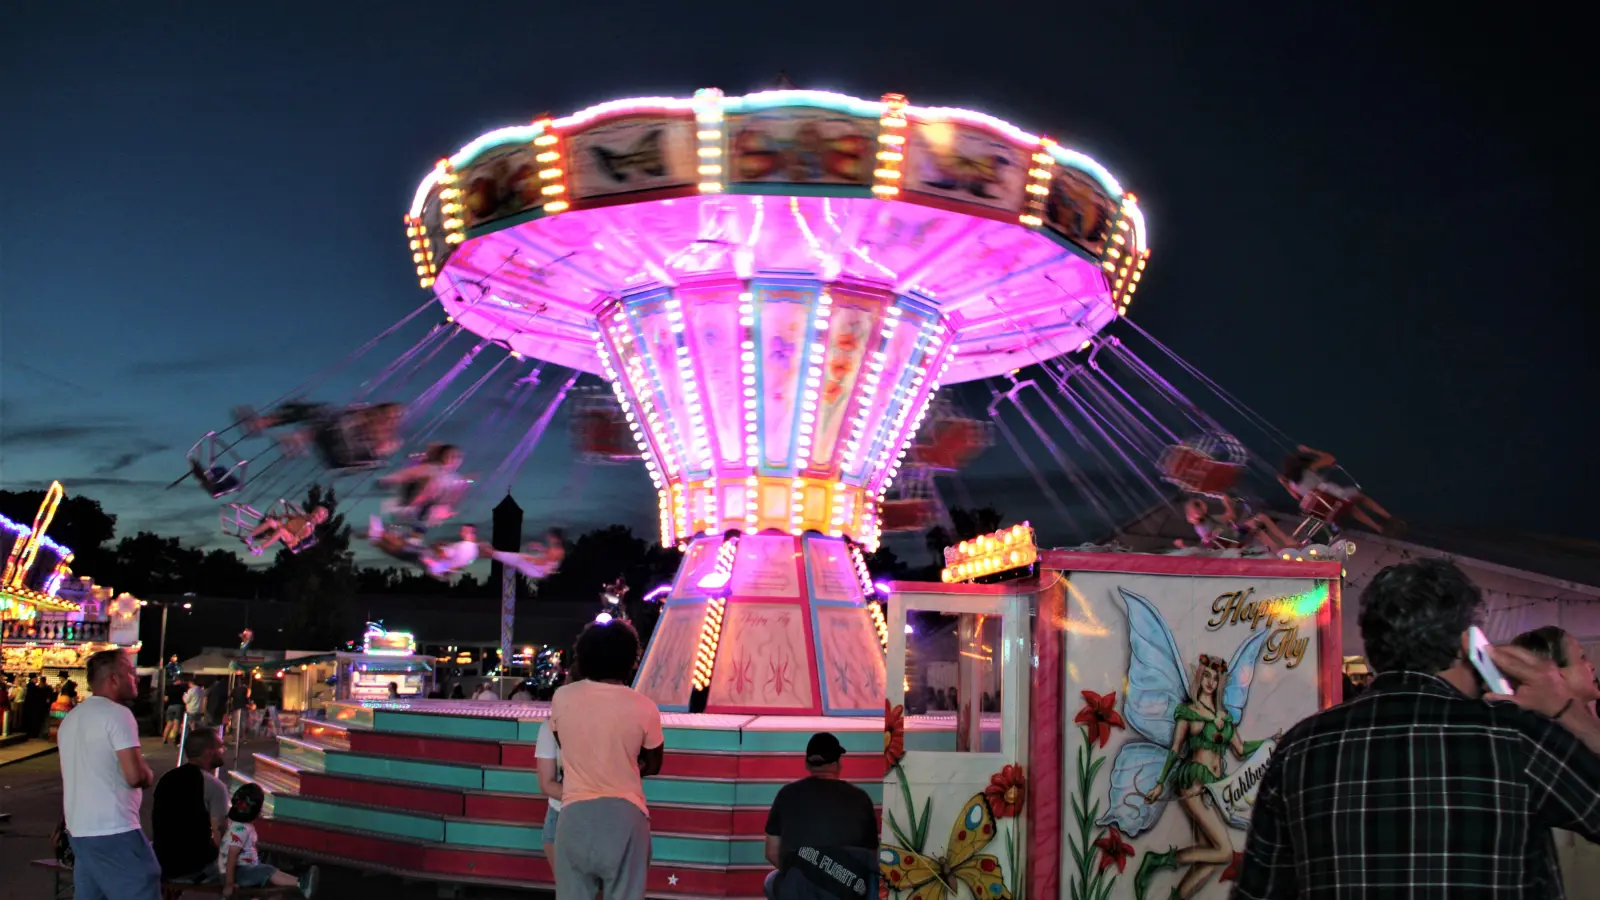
(1098, 716)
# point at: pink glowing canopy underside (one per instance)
(1012, 295)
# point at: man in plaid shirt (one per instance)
(1418, 787)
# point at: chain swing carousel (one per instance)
(775, 287)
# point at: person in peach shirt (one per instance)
(610, 739)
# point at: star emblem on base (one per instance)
(672, 880)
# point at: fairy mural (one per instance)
(1180, 715)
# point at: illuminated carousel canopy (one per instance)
(775, 284)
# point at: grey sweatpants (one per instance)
(602, 845)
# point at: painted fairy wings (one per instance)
(1157, 683)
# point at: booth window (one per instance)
(953, 681)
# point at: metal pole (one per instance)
(183, 734)
(161, 664)
(508, 618)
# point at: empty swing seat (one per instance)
(603, 437)
(1198, 473)
(214, 465)
(950, 444)
(906, 515)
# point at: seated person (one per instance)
(541, 558)
(446, 559)
(427, 490)
(240, 861)
(821, 815)
(402, 543)
(1302, 476)
(218, 481)
(1226, 531)
(190, 812)
(292, 530)
(347, 437)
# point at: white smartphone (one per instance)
(1479, 656)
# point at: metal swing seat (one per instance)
(950, 441)
(1322, 511)
(913, 507)
(1208, 466)
(240, 520)
(600, 431)
(219, 470)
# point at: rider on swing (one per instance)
(541, 559)
(351, 437)
(1226, 531)
(426, 490)
(293, 530)
(1303, 475)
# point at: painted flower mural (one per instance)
(894, 733)
(1114, 850)
(1007, 791)
(1098, 716)
(1089, 841)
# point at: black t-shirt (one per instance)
(180, 825)
(175, 694)
(216, 699)
(821, 812)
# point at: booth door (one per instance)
(955, 741)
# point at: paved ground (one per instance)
(30, 791)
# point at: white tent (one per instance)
(211, 662)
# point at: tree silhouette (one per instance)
(80, 524)
(969, 523)
(148, 565)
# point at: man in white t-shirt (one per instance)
(103, 774)
(610, 739)
(485, 691)
(547, 757)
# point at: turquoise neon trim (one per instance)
(483, 143)
(407, 770)
(767, 100)
(1072, 159)
(497, 835)
(511, 781)
(785, 189)
(445, 726)
(303, 809)
(511, 221)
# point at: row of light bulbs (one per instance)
(999, 551)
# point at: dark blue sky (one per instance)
(1366, 226)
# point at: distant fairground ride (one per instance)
(775, 286)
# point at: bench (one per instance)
(61, 886)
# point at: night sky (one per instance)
(1366, 226)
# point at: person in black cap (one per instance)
(823, 829)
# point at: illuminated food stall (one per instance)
(387, 657)
(52, 621)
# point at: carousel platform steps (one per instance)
(450, 790)
(683, 806)
(433, 861)
(456, 831)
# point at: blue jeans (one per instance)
(115, 867)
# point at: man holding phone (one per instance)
(1419, 787)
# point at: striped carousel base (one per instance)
(447, 790)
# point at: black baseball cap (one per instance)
(823, 749)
